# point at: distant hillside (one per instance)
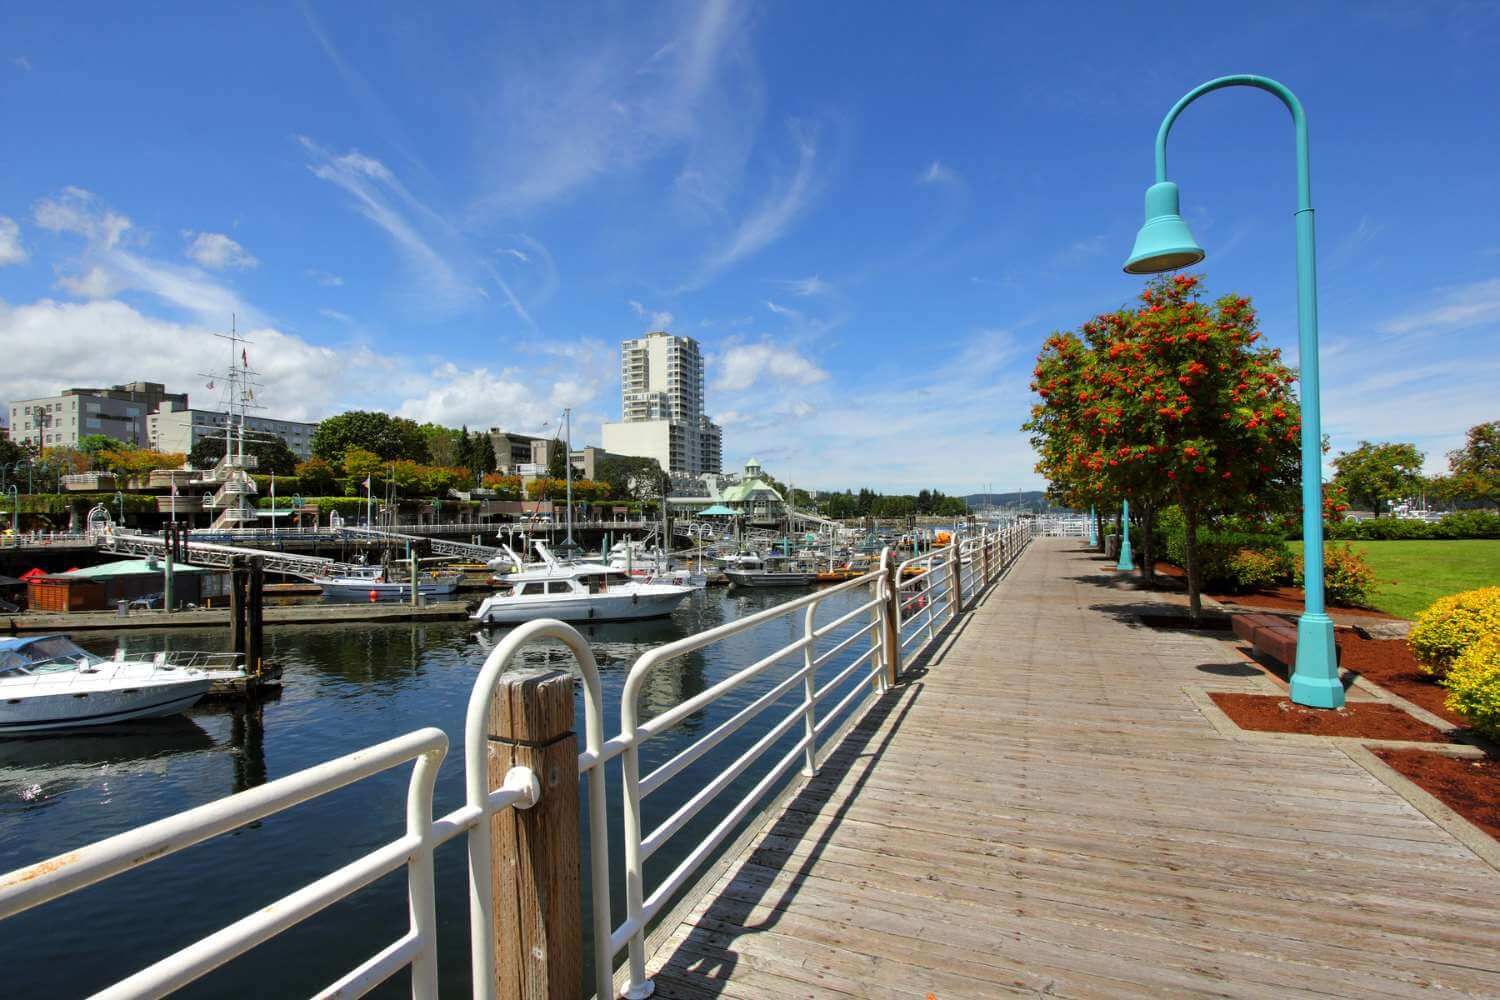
(1030, 499)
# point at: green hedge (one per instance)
(1229, 561)
(1463, 524)
(61, 503)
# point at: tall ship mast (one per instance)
(234, 500)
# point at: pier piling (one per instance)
(535, 852)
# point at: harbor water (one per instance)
(346, 687)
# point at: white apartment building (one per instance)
(119, 412)
(661, 406)
(178, 429)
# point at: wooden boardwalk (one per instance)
(1044, 809)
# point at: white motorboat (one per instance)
(576, 592)
(375, 586)
(49, 684)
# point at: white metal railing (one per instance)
(31, 539)
(912, 601)
(32, 886)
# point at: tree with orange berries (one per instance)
(1174, 401)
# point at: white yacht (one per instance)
(48, 684)
(580, 591)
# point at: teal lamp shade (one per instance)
(1164, 243)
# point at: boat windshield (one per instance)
(52, 654)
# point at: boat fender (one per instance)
(591, 612)
(635, 598)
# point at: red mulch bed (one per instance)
(1469, 787)
(1292, 599)
(1270, 713)
(1389, 663)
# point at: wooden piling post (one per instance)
(535, 852)
(255, 582)
(237, 575)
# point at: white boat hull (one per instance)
(364, 588)
(41, 713)
(582, 607)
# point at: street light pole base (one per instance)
(1125, 562)
(1315, 679)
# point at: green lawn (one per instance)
(1414, 574)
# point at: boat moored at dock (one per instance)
(49, 684)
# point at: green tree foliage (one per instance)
(387, 437)
(557, 457)
(631, 477)
(1475, 468)
(868, 503)
(1375, 474)
(442, 445)
(270, 450)
(316, 477)
(1174, 400)
(10, 451)
(361, 463)
(92, 444)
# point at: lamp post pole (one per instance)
(1125, 563)
(1093, 540)
(1164, 244)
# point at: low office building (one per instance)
(119, 412)
(176, 429)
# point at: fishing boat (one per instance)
(49, 684)
(580, 591)
(771, 571)
(377, 586)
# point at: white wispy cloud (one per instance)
(217, 251)
(111, 261)
(12, 251)
(335, 314)
(1460, 307)
(570, 105)
(324, 278)
(937, 173)
(807, 287)
(769, 221)
(411, 226)
(21, 63)
(740, 366)
(786, 311)
(1084, 249)
(517, 254)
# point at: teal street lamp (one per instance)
(1164, 244)
(1093, 522)
(1125, 563)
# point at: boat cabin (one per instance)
(42, 654)
(595, 582)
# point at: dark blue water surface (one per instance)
(346, 687)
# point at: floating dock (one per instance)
(287, 614)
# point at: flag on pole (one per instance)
(210, 383)
(368, 484)
(245, 357)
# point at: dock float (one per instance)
(288, 614)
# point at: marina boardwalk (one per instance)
(1042, 808)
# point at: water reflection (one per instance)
(35, 771)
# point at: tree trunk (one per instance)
(1148, 542)
(1099, 530)
(1195, 600)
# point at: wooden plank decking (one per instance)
(1045, 810)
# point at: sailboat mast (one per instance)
(568, 467)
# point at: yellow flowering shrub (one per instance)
(1452, 624)
(1473, 684)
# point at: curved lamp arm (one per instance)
(1299, 122)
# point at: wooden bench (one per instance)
(1273, 636)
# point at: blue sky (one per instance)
(869, 219)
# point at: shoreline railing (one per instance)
(904, 609)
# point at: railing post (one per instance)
(535, 852)
(987, 548)
(955, 580)
(809, 708)
(892, 623)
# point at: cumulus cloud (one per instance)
(743, 365)
(217, 251)
(11, 249)
(658, 319)
(74, 343)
